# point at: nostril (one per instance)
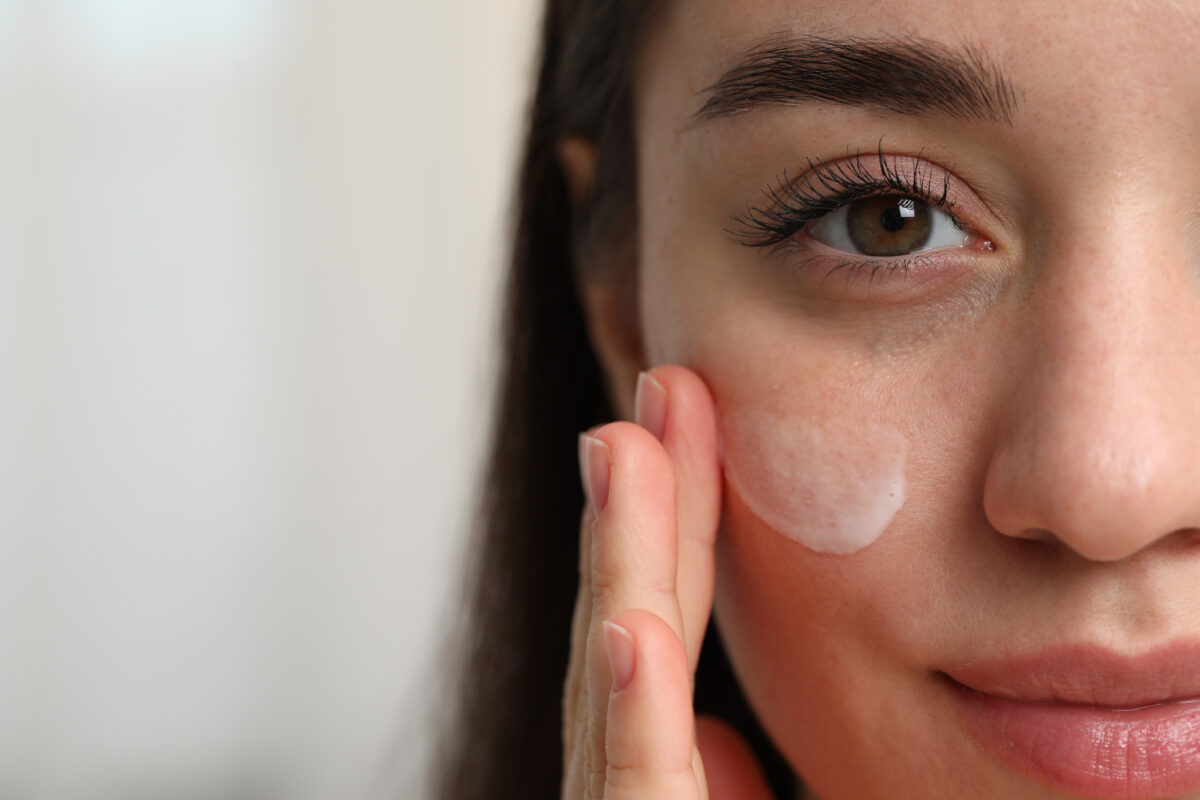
(1032, 536)
(1120, 544)
(1039, 535)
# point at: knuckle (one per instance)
(663, 593)
(642, 776)
(605, 582)
(625, 758)
(610, 572)
(597, 777)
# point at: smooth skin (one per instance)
(1047, 388)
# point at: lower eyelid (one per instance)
(869, 269)
(836, 276)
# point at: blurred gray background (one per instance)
(249, 252)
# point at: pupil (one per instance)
(892, 220)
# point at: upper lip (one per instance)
(1086, 674)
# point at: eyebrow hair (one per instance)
(910, 76)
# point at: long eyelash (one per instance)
(793, 203)
(852, 268)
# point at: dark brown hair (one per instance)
(502, 737)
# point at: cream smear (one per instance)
(831, 488)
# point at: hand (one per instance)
(645, 595)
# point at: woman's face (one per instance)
(961, 420)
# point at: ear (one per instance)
(607, 291)
(610, 303)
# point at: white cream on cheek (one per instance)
(833, 487)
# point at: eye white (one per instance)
(832, 229)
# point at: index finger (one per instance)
(634, 536)
(688, 424)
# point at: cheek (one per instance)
(832, 486)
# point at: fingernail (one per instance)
(650, 405)
(621, 654)
(594, 466)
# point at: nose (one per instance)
(1099, 447)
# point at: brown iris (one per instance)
(889, 225)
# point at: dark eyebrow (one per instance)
(908, 76)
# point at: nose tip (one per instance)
(1102, 511)
(1103, 504)
(1097, 441)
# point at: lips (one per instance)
(1089, 721)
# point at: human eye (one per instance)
(888, 225)
(876, 214)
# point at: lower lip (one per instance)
(1132, 754)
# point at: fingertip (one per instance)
(626, 435)
(640, 466)
(650, 721)
(595, 464)
(653, 638)
(690, 429)
(622, 654)
(650, 405)
(684, 386)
